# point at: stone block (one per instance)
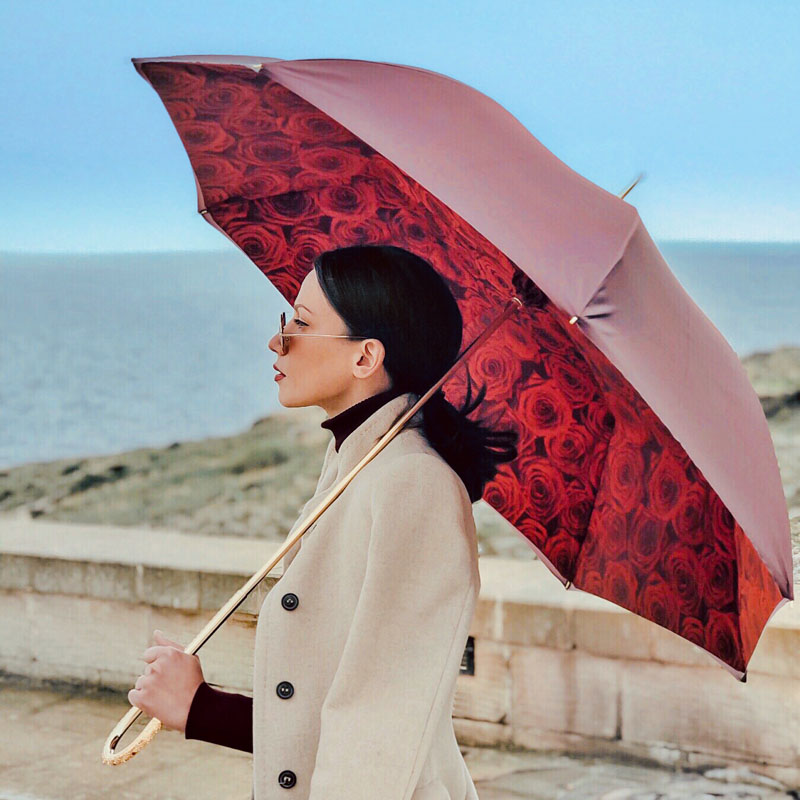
(531, 625)
(610, 633)
(487, 619)
(486, 695)
(110, 581)
(706, 710)
(777, 652)
(59, 576)
(477, 733)
(15, 571)
(169, 588)
(568, 691)
(73, 636)
(16, 640)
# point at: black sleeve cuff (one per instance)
(223, 718)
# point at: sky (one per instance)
(700, 96)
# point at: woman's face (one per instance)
(327, 372)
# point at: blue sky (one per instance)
(701, 96)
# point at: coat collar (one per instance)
(345, 422)
(363, 437)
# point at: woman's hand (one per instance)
(166, 688)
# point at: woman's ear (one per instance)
(371, 358)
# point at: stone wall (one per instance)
(554, 669)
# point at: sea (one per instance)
(101, 353)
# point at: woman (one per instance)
(358, 649)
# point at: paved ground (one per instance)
(51, 740)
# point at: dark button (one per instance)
(287, 779)
(289, 601)
(284, 689)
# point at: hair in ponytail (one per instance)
(391, 294)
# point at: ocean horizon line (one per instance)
(4, 252)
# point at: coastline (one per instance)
(255, 483)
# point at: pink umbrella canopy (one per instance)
(645, 473)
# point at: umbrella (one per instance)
(645, 472)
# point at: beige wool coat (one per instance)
(359, 643)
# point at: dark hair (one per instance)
(388, 293)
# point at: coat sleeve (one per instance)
(397, 672)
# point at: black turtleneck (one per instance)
(226, 718)
(345, 422)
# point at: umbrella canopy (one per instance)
(646, 473)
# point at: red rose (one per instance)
(619, 584)
(595, 464)
(175, 80)
(627, 420)
(611, 531)
(533, 530)
(203, 137)
(561, 549)
(504, 494)
(274, 94)
(543, 486)
(646, 541)
(659, 603)
(250, 119)
(543, 407)
(665, 485)
(273, 151)
(220, 96)
(551, 335)
(600, 422)
(575, 380)
(690, 520)
(413, 232)
(493, 273)
(578, 508)
(263, 183)
(263, 243)
(722, 638)
(180, 109)
(306, 243)
(287, 208)
(719, 578)
(723, 524)
(347, 201)
(346, 232)
(393, 189)
(692, 629)
(334, 165)
(215, 170)
(492, 364)
(590, 581)
(682, 569)
(567, 449)
(313, 126)
(624, 470)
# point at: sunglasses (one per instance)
(283, 337)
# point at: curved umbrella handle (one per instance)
(110, 755)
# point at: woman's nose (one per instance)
(274, 344)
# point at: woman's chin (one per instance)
(286, 400)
